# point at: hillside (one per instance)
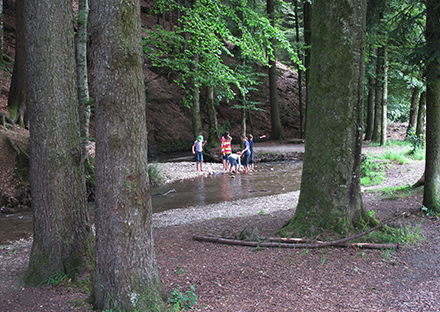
(168, 120)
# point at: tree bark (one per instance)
(18, 100)
(276, 132)
(431, 196)
(308, 42)
(62, 236)
(384, 107)
(421, 115)
(371, 97)
(330, 197)
(126, 274)
(213, 136)
(377, 130)
(413, 111)
(83, 81)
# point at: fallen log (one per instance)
(293, 243)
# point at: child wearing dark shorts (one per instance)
(245, 154)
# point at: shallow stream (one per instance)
(269, 179)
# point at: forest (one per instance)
(141, 78)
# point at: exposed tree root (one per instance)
(301, 242)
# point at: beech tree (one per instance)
(276, 132)
(126, 275)
(330, 197)
(62, 236)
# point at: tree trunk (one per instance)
(330, 197)
(421, 115)
(213, 136)
(83, 81)
(62, 235)
(384, 115)
(300, 73)
(2, 33)
(431, 196)
(308, 42)
(377, 130)
(195, 110)
(276, 132)
(413, 112)
(126, 275)
(371, 98)
(18, 100)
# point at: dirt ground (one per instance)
(233, 278)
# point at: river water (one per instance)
(270, 178)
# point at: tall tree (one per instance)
(276, 132)
(83, 81)
(431, 195)
(421, 115)
(62, 235)
(384, 107)
(413, 110)
(18, 100)
(330, 197)
(126, 275)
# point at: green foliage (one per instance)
(184, 301)
(54, 279)
(417, 142)
(209, 31)
(261, 212)
(372, 172)
(154, 174)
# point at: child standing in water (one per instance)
(198, 146)
(251, 150)
(245, 153)
(224, 147)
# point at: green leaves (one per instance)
(202, 48)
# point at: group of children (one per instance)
(245, 157)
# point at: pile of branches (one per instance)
(249, 237)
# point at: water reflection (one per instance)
(271, 178)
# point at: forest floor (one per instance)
(234, 278)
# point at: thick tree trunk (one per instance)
(413, 111)
(431, 196)
(330, 197)
(300, 74)
(421, 115)
(83, 81)
(276, 132)
(126, 275)
(18, 100)
(308, 42)
(384, 115)
(213, 136)
(62, 235)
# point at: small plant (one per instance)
(261, 213)
(417, 142)
(184, 301)
(323, 259)
(54, 279)
(154, 173)
(372, 172)
(179, 270)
